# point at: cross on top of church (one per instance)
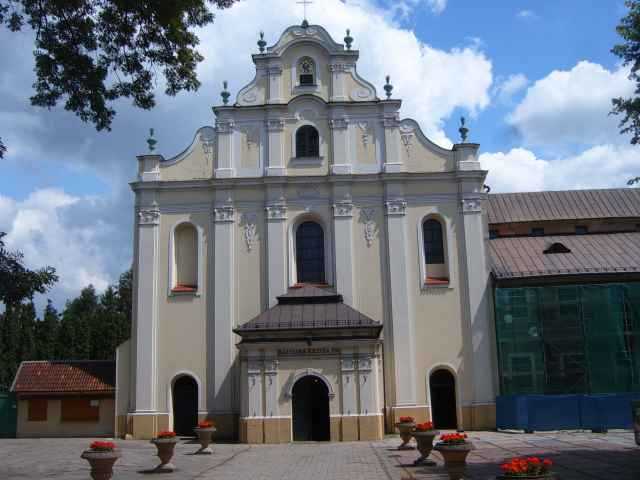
(304, 3)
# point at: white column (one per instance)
(343, 233)
(276, 251)
(276, 163)
(223, 301)
(477, 296)
(392, 161)
(368, 385)
(341, 146)
(146, 311)
(271, 387)
(349, 385)
(226, 150)
(254, 388)
(401, 306)
(338, 74)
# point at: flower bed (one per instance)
(526, 467)
(453, 439)
(101, 446)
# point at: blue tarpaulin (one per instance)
(564, 412)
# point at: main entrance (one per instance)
(310, 410)
(442, 386)
(185, 405)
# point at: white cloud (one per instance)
(50, 229)
(506, 88)
(572, 107)
(437, 6)
(602, 166)
(527, 14)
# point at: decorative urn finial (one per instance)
(348, 39)
(305, 24)
(151, 141)
(464, 131)
(261, 42)
(388, 87)
(225, 93)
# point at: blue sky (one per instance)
(534, 79)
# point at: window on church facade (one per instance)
(306, 71)
(307, 142)
(186, 258)
(310, 253)
(434, 253)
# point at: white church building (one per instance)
(312, 267)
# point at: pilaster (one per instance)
(368, 384)
(254, 388)
(276, 215)
(146, 311)
(393, 145)
(402, 318)
(275, 84)
(343, 233)
(272, 408)
(342, 163)
(225, 127)
(223, 298)
(349, 385)
(276, 165)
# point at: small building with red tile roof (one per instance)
(65, 398)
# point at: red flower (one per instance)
(407, 419)
(453, 438)
(100, 446)
(424, 427)
(166, 434)
(526, 466)
(205, 424)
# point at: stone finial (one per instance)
(225, 93)
(305, 24)
(151, 141)
(261, 42)
(388, 88)
(348, 40)
(464, 131)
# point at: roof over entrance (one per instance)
(65, 377)
(310, 311)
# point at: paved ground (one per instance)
(576, 456)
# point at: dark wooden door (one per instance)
(185, 405)
(310, 410)
(442, 386)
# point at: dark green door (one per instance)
(8, 414)
(310, 410)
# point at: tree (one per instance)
(47, 333)
(92, 52)
(3, 149)
(78, 320)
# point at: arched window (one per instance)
(307, 142)
(310, 253)
(306, 71)
(436, 270)
(186, 258)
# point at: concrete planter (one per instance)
(455, 458)
(166, 447)
(425, 445)
(204, 437)
(405, 429)
(101, 462)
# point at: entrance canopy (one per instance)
(309, 313)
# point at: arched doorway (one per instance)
(310, 410)
(185, 405)
(442, 386)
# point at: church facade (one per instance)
(310, 268)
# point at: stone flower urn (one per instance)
(165, 442)
(424, 439)
(205, 431)
(405, 428)
(455, 457)
(101, 456)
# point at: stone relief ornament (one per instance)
(208, 147)
(275, 125)
(338, 123)
(364, 128)
(224, 126)
(471, 205)
(249, 225)
(252, 136)
(223, 214)
(369, 225)
(149, 216)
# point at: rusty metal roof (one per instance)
(73, 376)
(563, 205)
(308, 308)
(520, 257)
